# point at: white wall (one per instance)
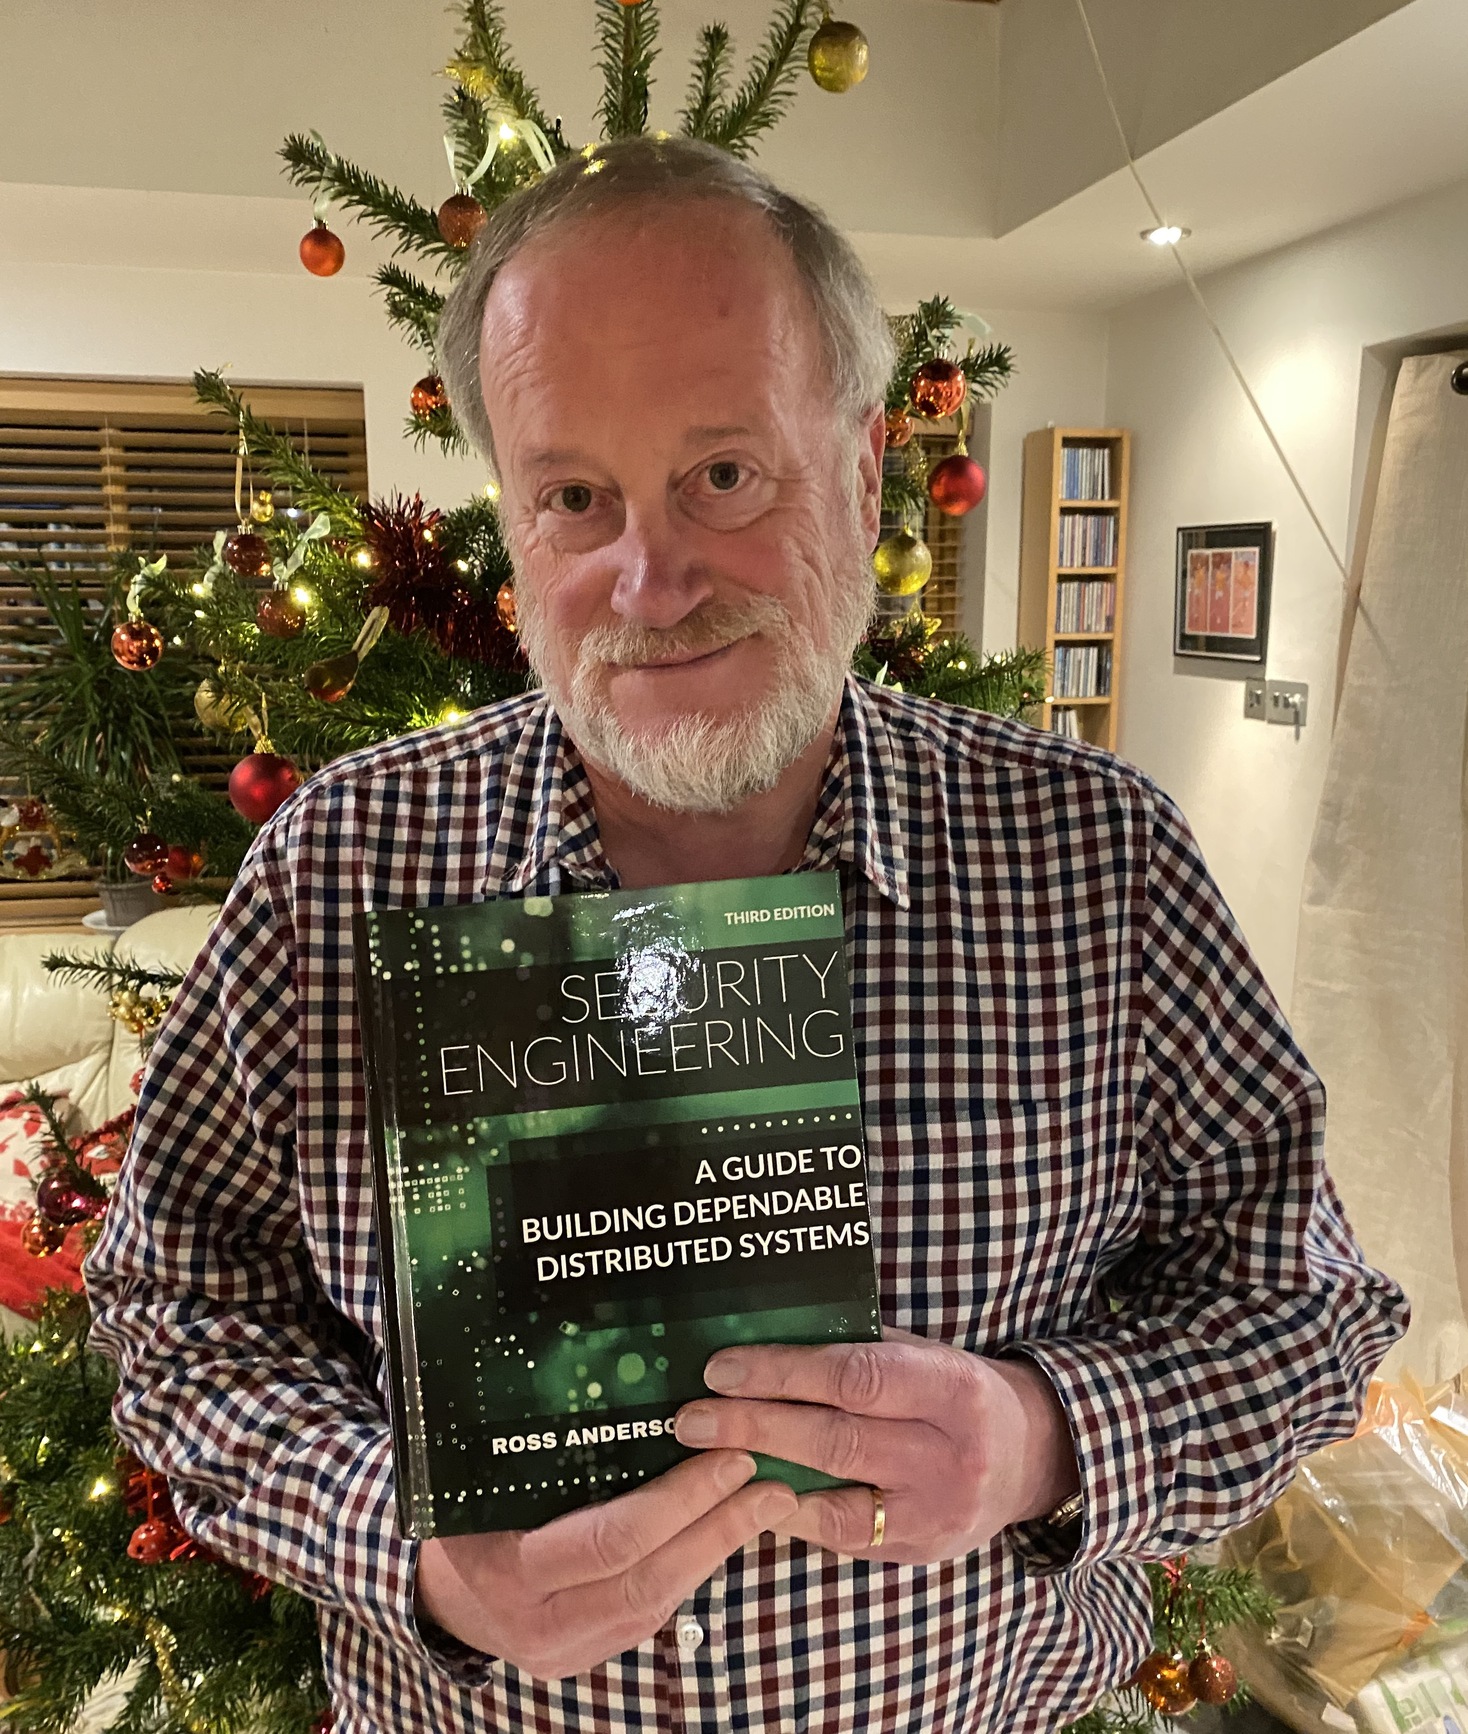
(155, 285)
(1299, 321)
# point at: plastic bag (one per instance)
(1366, 1552)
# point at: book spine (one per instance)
(414, 1489)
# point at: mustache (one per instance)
(710, 626)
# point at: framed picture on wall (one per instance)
(1223, 579)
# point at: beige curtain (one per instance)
(1379, 1002)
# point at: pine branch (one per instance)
(410, 304)
(989, 369)
(627, 35)
(412, 227)
(468, 125)
(108, 975)
(439, 425)
(45, 1103)
(769, 85)
(278, 457)
(484, 67)
(709, 85)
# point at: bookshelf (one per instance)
(1072, 572)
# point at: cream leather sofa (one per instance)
(61, 1035)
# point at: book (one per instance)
(612, 1133)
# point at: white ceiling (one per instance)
(1373, 121)
(186, 177)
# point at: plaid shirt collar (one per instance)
(547, 821)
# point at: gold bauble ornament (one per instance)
(838, 56)
(903, 564)
(228, 716)
(262, 507)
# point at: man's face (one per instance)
(691, 520)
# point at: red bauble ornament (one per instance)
(62, 1202)
(956, 484)
(162, 884)
(900, 428)
(260, 783)
(184, 863)
(460, 218)
(505, 606)
(938, 387)
(429, 395)
(322, 253)
(1163, 1682)
(146, 854)
(332, 679)
(41, 1238)
(137, 644)
(247, 554)
(279, 615)
(1212, 1678)
(152, 1541)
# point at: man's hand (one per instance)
(560, 1599)
(959, 1447)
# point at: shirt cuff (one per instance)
(376, 1570)
(1115, 1448)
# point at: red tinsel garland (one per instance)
(421, 587)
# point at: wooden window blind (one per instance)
(90, 468)
(941, 595)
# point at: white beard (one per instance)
(699, 763)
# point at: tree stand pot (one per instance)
(126, 903)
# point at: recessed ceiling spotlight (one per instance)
(1166, 235)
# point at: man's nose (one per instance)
(659, 579)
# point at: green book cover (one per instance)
(612, 1133)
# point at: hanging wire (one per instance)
(1204, 308)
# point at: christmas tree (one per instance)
(317, 623)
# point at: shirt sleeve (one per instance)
(240, 1382)
(1237, 1332)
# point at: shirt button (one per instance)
(689, 1634)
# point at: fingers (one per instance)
(841, 1520)
(850, 1447)
(606, 1540)
(896, 1380)
(623, 1611)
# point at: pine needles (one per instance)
(764, 98)
(627, 38)
(278, 457)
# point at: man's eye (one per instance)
(574, 497)
(724, 475)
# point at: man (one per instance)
(1120, 1295)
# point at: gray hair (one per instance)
(646, 171)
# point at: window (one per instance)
(89, 468)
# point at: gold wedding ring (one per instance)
(879, 1519)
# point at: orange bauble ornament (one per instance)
(428, 395)
(279, 615)
(183, 863)
(504, 606)
(460, 218)
(137, 645)
(41, 1238)
(937, 389)
(900, 428)
(322, 253)
(1163, 1682)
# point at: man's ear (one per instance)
(871, 444)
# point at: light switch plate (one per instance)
(1255, 709)
(1288, 701)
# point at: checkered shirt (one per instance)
(1091, 1139)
